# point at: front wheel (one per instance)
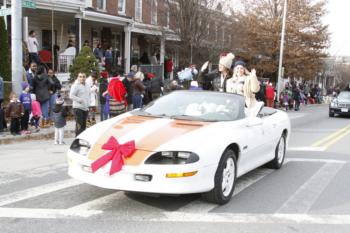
(331, 114)
(280, 153)
(224, 180)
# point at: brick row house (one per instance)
(131, 27)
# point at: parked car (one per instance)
(340, 105)
(184, 142)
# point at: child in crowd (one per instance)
(36, 113)
(27, 104)
(15, 111)
(59, 114)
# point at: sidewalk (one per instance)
(43, 134)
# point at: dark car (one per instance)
(340, 105)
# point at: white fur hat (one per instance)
(227, 60)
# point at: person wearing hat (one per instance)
(156, 86)
(59, 115)
(244, 83)
(138, 92)
(26, 100)
(217, 79)
(128, 84)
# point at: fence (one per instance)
(64, 62)
(157, 70)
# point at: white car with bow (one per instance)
(184, 142)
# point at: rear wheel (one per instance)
(224, 180)
(331, 114)
(280, 153)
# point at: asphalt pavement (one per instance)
(310, 193)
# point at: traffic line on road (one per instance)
(45, 213)
(96, 203)
(310, 148)
(314, 160)
(249, 218)
(36, 191)
(309, 192)
(199, 206)
(329, 140)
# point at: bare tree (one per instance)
(196, 21)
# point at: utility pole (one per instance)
(16, 46)
(281, 49)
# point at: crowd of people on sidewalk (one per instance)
(114, 93)
(36, 105)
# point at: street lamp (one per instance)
(281, 48)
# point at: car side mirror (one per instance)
(254, 121)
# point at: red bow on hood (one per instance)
(116, 154)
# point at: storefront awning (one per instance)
(105, 18)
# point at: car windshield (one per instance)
(344, 95)
(197, 106)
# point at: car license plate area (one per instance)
(143, 177)
(344, 110)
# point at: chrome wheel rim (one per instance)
(228, 177)
(281, 150)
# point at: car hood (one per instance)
(150, 134)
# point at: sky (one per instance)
(338, 19)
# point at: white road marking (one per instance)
(249, 218)
(309, 192)
(7, 178)
(94, 204)
(184, 217)
(199, 206)
(45, 213)
(314, 160)
(36, 191)
(308, 148)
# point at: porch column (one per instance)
(162, 54)
(16, 46)
(78, 34)
(127, 45)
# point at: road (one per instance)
(310, 193)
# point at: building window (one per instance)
(121, 6)
(154, 12)
(138, 10)
(101, 4)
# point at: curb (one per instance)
(35, 136)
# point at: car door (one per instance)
(252, 144)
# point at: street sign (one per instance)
(29, 4)
(5, 11)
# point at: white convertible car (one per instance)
(184, 142)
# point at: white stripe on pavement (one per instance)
(314, 160)
(309, 192)
(308, 148)
(184, 217)
(36, 191)
(199, 206)
(44, 213)
(94, 204)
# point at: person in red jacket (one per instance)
(169, 67)
(270, 95)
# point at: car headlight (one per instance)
(80, 146)
(334, 104)
(172, 157)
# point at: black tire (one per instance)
(216, 195)
(331, 114)
(277, 162)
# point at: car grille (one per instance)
(342, 105)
